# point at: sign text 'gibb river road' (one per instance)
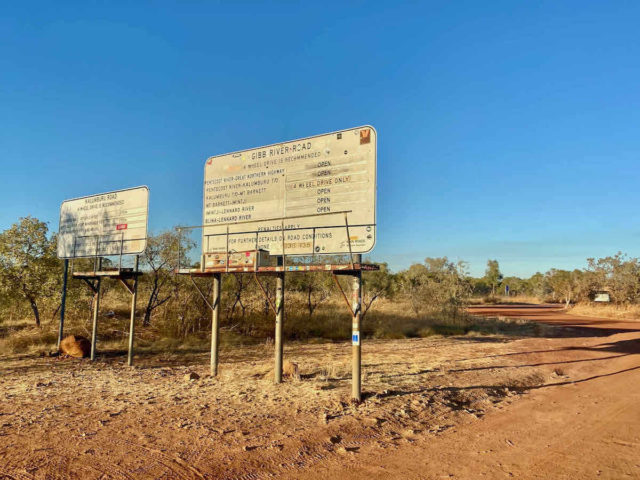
(311, 183)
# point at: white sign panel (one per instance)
(105, 224)
(307, 185)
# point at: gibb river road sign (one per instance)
(305, 186)
(111, 223)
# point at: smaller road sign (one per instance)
(111, 223)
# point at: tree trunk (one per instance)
(146, 320)
(36, 313)
(367, 306)
(56, 311)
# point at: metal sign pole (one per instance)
(132, 323)
(96, 307)
(63, 301)
(215, 323)
(356, 391)
(279, 324)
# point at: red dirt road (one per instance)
(586, 427)
(555, 400)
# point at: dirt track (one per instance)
(563, 405)
(587, 426)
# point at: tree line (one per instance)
(31, 282)
(617, 275)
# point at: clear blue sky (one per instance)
(507, 130)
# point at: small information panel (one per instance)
(311, 183)
(111, 223)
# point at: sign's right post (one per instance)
(356, 391)
(215, 323)
(132, 319)
(279, 325)
(96, 307)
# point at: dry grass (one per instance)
(331, 322)
(28, 340)
(626, 312)
(503, 300)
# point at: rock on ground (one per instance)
(75, 346)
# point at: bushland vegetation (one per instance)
(617, 275)
(428, 298)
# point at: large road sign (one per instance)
(311, 183)
(111, 223)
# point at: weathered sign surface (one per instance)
(105, 224)
(311, 183)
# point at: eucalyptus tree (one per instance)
(29, 268)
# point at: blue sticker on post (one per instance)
(355, 338)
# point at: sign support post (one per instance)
(356, 334)
(279, 325)
(96, 307)
(132, 323)
(215, 323)
(63, 301)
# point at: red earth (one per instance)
(562, 403)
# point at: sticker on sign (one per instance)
(320, 190)
(110, 223)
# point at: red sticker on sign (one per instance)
(121, 226)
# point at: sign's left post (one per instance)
(63, 301)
